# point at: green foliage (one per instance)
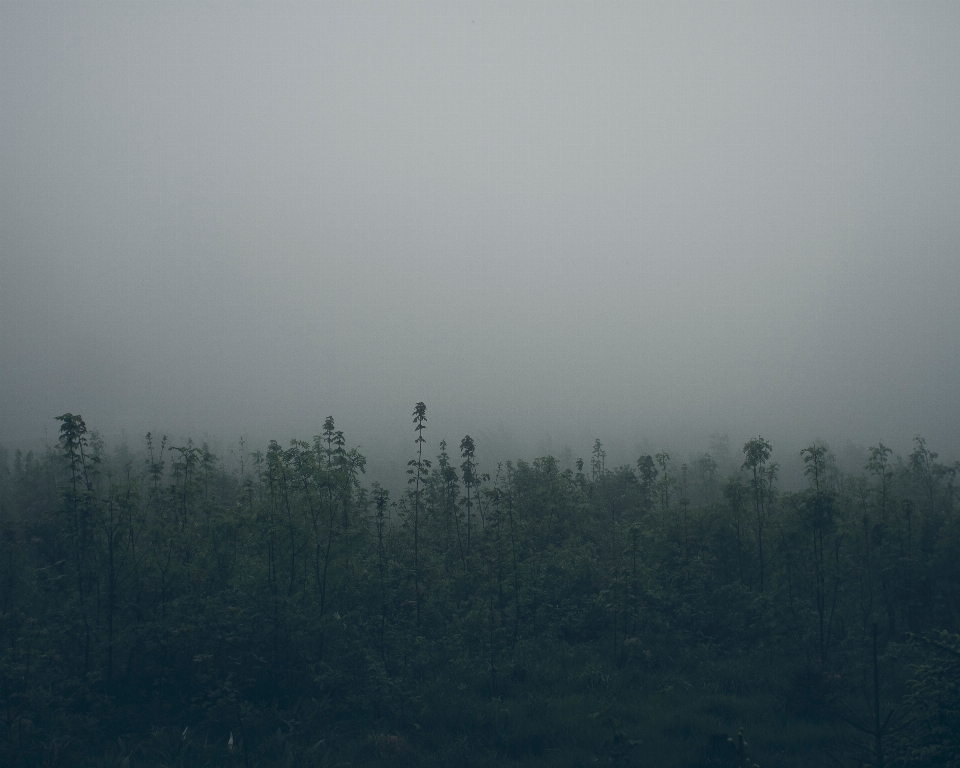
(932, 734)
(167, 610)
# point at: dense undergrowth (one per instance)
(157, 609)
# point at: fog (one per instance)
(643, 222)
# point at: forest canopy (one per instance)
(159, 606)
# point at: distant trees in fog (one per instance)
(142, 591)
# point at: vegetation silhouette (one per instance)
(161, 608)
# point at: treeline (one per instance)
(156, 605)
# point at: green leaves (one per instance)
(286, 592)
(756, 452)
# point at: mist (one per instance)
(643, 222)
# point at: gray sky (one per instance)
(636, 221)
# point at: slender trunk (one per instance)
(111, 594)
(493, 668)
(758, 504)
(293, 543)
(381, 562)
(456, 521)
(499, 561)
(740, 554)
(469, 504)
(877, 726)
(416, 530)
(516, 578)
(326, 563)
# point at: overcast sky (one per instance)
(549, 221)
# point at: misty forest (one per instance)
(481, 383)
(164, 606)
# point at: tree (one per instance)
(418, 468)
(598, 460)
(381, 499)
(925, 469)
(468, 473)
(446, 492)
(929, 736)
(647, 476)
(666, 481)
(816, 510)
(879, 465)
(733, 493)
(78, 499)
(756, 453)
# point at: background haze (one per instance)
(550, 222)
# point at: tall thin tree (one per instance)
(756, 453)
(418, 468)
(468, 471)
